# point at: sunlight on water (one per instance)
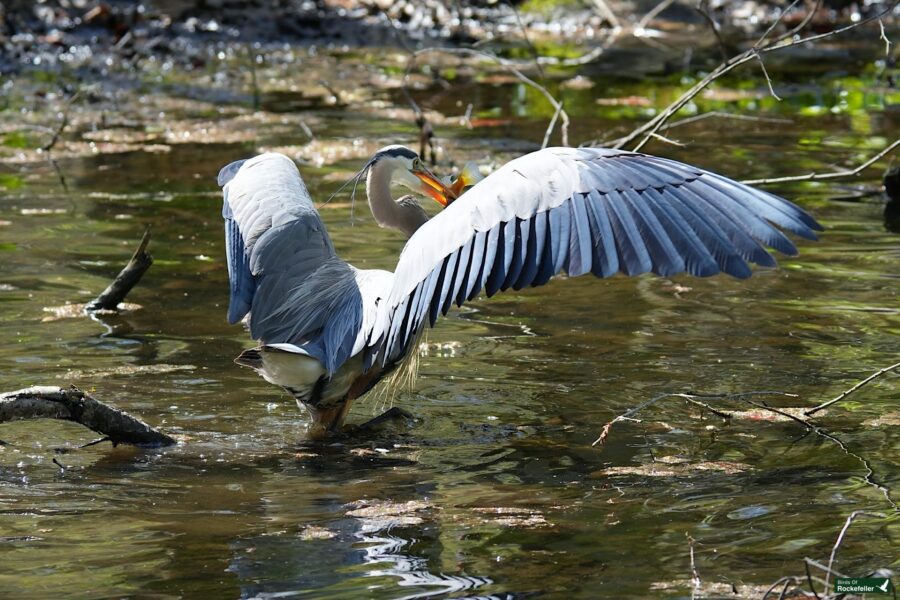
(495, 491)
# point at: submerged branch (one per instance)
(691, 398)
(746, 397)
(71, 404)
(846, 393)
(840, 537)
(127, 278)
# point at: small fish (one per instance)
(470, 175)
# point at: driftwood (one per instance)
(71, 404)
(127, 278)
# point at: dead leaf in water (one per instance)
(761, 414)
(369, 509)
(890, 419)
(672, 469)
(513, 516)
(712, 589)
(312, 532)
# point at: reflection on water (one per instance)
(389, 555)
(496, 491)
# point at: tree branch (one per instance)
(127, 278)
(71, 404)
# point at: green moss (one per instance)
(10, 182)
(546, 7)
(17, 139)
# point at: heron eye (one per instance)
(417, 164)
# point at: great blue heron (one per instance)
(328, 332)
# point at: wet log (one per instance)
(72, 404)
(127, 278)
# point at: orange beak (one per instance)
(434, 188)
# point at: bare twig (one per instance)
(718, 114)
(884, 38)
(531, 48)
(651, 14)
(63, 122)
(703, 8)
(667, 140)
(307, 130)
(762, 39)
(577, 61)
(105, 438)
(71, 404)
(869, 477)
(713, 114)
(809, 580)
(127, 278)
(607, 13)
(59, 173)
(686, 396)
(788, 580)
(762, 66)
(846, 393)
(335, 93)
(466, 119)
(764, 45)
(821, 176)
(695, 575)
(254, 84)
(840, 538)
(823, 568)
(510, 66)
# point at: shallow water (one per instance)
(495, 490)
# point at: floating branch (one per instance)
(71, 404)
(127, 278)
(745, 397)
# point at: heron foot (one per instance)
(392, 414)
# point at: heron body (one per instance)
(328, 332)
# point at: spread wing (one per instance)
(282, 264)
(581, 210)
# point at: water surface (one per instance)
(495, 490)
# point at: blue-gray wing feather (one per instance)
(579, 210)
(282, 264)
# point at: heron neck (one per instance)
(387, 212)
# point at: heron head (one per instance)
(409, 171)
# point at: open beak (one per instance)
(433, 187)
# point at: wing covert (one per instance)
(282, 264)
(580, 210)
